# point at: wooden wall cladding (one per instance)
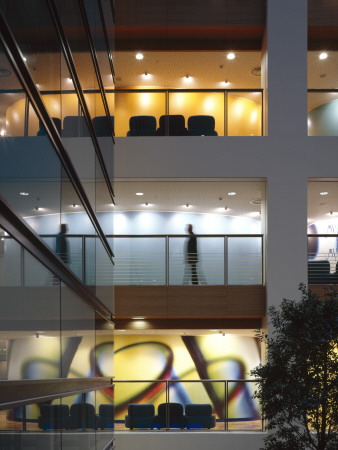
(190, 301)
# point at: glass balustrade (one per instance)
(136, 112)
(83, 420)
(322, 259)
(187, 404)
(150, 261)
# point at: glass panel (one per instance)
(10, 261)
(208, 267)
(243, 411)
(244, 113)
(139, 261)
(322, 113)
(104, 276)
(244, 260)
(323, 260)
(199, 103)
(78, 336)
(130, 104)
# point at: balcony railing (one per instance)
(221, 112)
(158, 260)
(322, 259)
(228, 405)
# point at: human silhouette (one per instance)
(191, 256)
(62, 249)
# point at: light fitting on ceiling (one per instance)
(231, 55)
(226, 83)
(146, 75)
(24, 194)
(146, 204)
(37, 208)
(187, 205)
(187, 78)
(231, 193)
(74, 205)
(139, 56)
(324, 193)
(226, 208)
(3, 133)
(139, 193)
(323, 55)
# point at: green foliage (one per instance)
(298, 392)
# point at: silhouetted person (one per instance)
(191, 254)
(62, 244)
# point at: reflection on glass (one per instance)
(244, 260)
(244, 114)
(322, 113)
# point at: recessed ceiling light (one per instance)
(3, 133)
(324, 193)
(24, 193)
(226, 208)
(146, 204)
(37, 208)
(323, 55)
(231, 193)
(74, 205)
(187, 205)
(226, 82)
(139, 193)
(231, 55)
(139, 56)
(138, 318)
(146, 75)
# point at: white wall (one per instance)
(188, 441)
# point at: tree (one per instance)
(298, 392)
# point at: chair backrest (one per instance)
(106, 410)
(76, 415)
(42, 131)
(101, 126)
(175, 122)
(145, 410)
(202, 409)
(54, 411)
(74, 126)
(175, 409)
(141, 122)
(201, 122)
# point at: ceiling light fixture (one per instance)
(226, 82)
(324, 193)
(24, 194)
(146, 75)
(231, 55)
(187, 205)
(74, 205)
(323, 55)
(187, 78)
(3, 133)
(146, 204)
(36, 208)
(139, 56)
(231, 193)
(139, 193)
(226, 208)
(138, 318)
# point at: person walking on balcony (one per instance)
(191, 257)
(62, 244)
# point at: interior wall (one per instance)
(323, 120)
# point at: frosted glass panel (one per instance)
(209, 265)
(244, 260)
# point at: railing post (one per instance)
(22, 252)
(262, 258)
(84, 260)
(226, 93)
(24, 418)
(167, 406)
(83, 416)
(226, 406)
(225, 260)
(167, 260)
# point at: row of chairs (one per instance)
(172, 125)
(76, 126)
(79, 415)
(195, 416)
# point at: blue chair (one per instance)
(101, 126)
(53, 417)
(201, 126)
(42, 131)
(75, 126)
(106, 416)
(199, 416)
(91, 420)
(140, 416)
(176, 417)
(142, 126)
(175, 124)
